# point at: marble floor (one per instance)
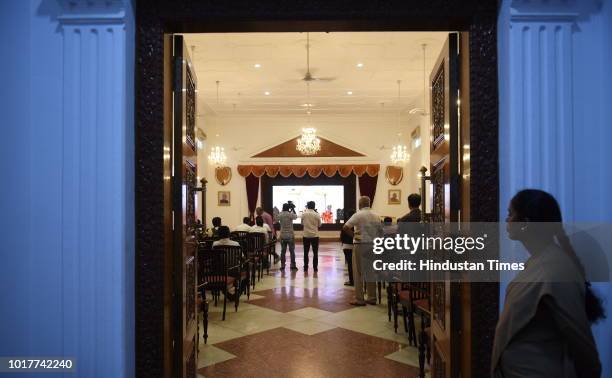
(299, 324)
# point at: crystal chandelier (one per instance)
(399, 153)
(217, 156)
(308, 143)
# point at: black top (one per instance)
(345, 238)
(413, 216)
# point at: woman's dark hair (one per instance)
(285, 207)
(216, 222)
(533, 205)
(259, 220)
(310, 205)
(246, 220)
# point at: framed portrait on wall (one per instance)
(223, 198)
(394, 197)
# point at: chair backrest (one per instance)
(212, 267)
(239, 234)
(255, 243)
(241, 238)
(420, 290)
(232, 255)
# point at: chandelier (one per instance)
(399, 154)
(308, 143)
(217, 156)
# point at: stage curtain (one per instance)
(252, 189)
(367, 186)
(312, 170)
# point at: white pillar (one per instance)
(539, 126)
(97, 190)
(555, 111)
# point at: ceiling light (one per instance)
(257, 65)
(359, 65)
(217, 156)
(308, 143)
(349, 93)
(307, 105)
(267, 93)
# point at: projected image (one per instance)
(328, 199)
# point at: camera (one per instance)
(291, 206)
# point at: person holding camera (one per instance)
(311, 220)
(287, 237)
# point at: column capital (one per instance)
(88, 12)
(551, 10)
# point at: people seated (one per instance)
(224, 238)
(263, 228)
(216, 223)
(244, 226)
(259, 228)
(268, 221)
(389, 228)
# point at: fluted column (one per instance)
(95, 181)
(540, 127)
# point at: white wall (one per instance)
(243, 137)
(68, 183)
(555, 96)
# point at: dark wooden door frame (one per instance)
(156, 18)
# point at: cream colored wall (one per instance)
(243, 136)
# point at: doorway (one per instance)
(154, 264)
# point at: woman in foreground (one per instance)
(545, 327)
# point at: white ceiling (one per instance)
(386, 57)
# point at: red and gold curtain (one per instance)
(314, 171)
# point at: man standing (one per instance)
(367, 227)
(311, 221)
(287, 237)
(267, 218)
(414, 201)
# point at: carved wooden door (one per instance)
(184, 184)
(444, 173)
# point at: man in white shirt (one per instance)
(260, 228)
(311, 220)
(224, 234)
(367, 227)
(263, 228)
(245, 227)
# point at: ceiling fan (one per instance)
(308, 76)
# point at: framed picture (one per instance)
(223, 198)
(394, 197)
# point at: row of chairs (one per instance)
(414, 299)
(231, 271)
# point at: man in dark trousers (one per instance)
(414, 201)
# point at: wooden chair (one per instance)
(236, 256)
(203, 305)
(239, 234)
(255, 253)
(269, 250)
(214, 269)
(414, 297)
